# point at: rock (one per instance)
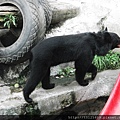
(116, 50)
(62, 11)
(10, 104)
(94, 16)
(50, 101)
(12, 72)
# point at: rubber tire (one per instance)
(48, 11)
(34, 27)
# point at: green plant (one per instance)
(31, 110)
(9, 20)
(17, 84)
(110, 61)
(67, 72)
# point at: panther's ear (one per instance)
(106, 29)
(107, 37)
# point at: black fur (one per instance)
(80, 48)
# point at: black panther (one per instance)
(80, 48)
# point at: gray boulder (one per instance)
(62, 96)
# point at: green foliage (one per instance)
(67, 72)
(110, 61)
(17, 84)
(32, 110)
(10, 20)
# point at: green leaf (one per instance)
(10, 20)
(110, 61)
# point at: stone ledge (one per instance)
(63, 10)
(51, 101)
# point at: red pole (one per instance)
(112, 106)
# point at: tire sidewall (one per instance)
(31, 32)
